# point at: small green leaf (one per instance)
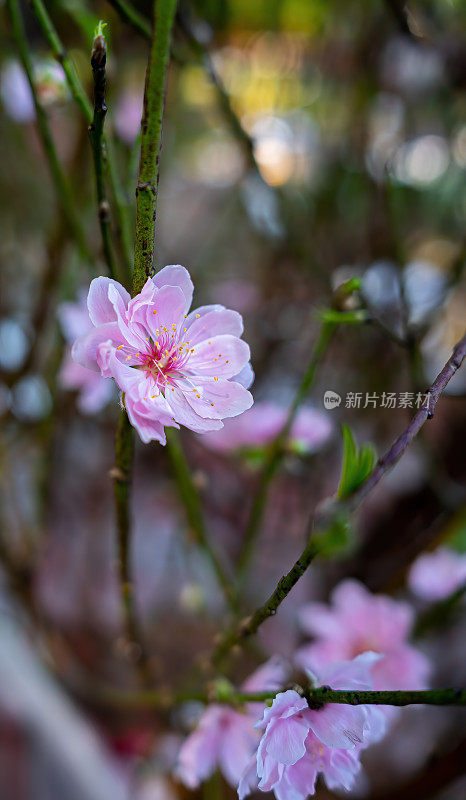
(357, 464)
(99, 30)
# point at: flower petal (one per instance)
(218, 399)
(215, 322)
(223, 356)
(187, 416)
(166, 310)
(285, 740)
(84, 350)
(101, 309)
(337, 725)
(176, 275)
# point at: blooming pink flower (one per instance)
(299, 742)
(94, 391)
(434, 576)
(225, 737)
(175, 368)
(361, 621)
(264, 421)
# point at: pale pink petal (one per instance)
(198, 756)
(248, 782)
(101, 308)
(271, 675)
(215, 322)
(436, 575)
(218, 399)
(176, 275)
(285, 705)
(222, 356)
(245, 376)
(338, 725)
(112, 367)
(94, 395)
(84, 350)
(285, 740)
(354, 674)
(74, 320)
(132, 333)
(236, 748)
(165, 311)
(185, 415)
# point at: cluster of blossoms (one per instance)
(360, 642)
(174, 367)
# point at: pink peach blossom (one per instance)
(434, 576)
(299, 742)
(94, 392)
(360, 621)
(226, 737)
(264, 421)
(174, 367)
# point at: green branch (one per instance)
(82, 101)
(315, 697)
(191, 501)
(151, 134)
(276, 453)
(334, 508)
(58, 176)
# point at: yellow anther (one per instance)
(155, 312)
(211, 404)
(120, 347)
(197, 316)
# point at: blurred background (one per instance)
(305, 143)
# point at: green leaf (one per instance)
(357, 465)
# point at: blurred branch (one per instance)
(58, 176)
(142, 26)
(333, 508)
(96, 132)
(276, 453)
(191, 501)
(84, 105)
(132, 16)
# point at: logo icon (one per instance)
(331, 400)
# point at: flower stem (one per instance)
(96, 133)
(151, 133)
(275, 456)
(58, 176)
(248, 626)
(191, 501)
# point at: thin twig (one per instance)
(276, 453)
(333, 508)
(82, 101)
(96, 133)
(58, 176)
(191, 501)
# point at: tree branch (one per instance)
(96, 133)
(58, 176)
(151, 134)
(333, 508)
(276, 453)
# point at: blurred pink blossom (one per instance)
(436, 575)
(300, 742)
(263, 422)
(175, 368)
(128, 113)
(225, 737)
(94, 391)
(15, 91)
(360, 621)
